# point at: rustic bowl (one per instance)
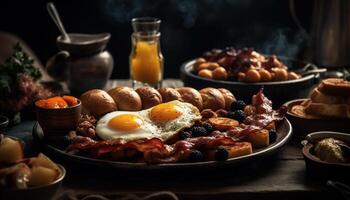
(277, 91)
(317, 167)
(58, 121)
(44, 192)
(302, 125)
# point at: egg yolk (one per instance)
(165, 112)
(125, 122)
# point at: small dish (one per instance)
(317, 167)
(57, 121)
(38, 193)
(4, 122)
(303, 125)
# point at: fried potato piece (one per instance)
(259, 138)
(236, 150)
(239, 149)
(222, 123)
(271, 125)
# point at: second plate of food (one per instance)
(287, 78)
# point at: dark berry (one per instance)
(238, 105)
(230, 115)
(66, 140)
(208, 127)
(195, 156)
(272, 135)
(198, 131)
(239, 115)
(184, 134)
(221, 154)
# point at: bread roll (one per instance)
(97, 103)
(191, 96)
(228, 96)
(149, 96)
(169, 94)
(328, 110)
(126, 98)
(319, 97)
(335, 86)
(212, 99)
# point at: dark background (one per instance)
(188, 27)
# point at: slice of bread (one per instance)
(328, 110)
(319, 97)
(335, 86)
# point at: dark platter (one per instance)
(284, 132)
(277, 91)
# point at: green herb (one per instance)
(18, 63)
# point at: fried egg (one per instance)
(161, 121)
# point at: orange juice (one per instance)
(146, 62)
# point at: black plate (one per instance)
(277, 91)
(284, 132)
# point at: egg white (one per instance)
(149, 129)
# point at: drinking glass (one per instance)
(146, 59)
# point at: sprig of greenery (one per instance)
(18, 63)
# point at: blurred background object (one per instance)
(189, 27)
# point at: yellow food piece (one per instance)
(239, 149)
(42, 176)
(10, 150)
(280, 74)
(265, 75)
(252, 76)
(205, 73)
(259, 138)
(43, 161)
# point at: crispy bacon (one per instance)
(263, 115)
(181, 150)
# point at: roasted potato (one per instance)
(259, 138)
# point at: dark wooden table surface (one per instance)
(282, 176)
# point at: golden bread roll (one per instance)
(169, 94)
(212, 99)
(126, 98)
(335, 86)
(328, 110)
(191, 96)
(228, 96)
(150, 97)
(319, 97)
(97, 103)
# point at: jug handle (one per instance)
(57, 66)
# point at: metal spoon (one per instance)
(56, 18)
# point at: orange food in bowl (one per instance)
(71, 101)
(57, 102)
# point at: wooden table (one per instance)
(280, 177)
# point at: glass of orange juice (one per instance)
(146, 60)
